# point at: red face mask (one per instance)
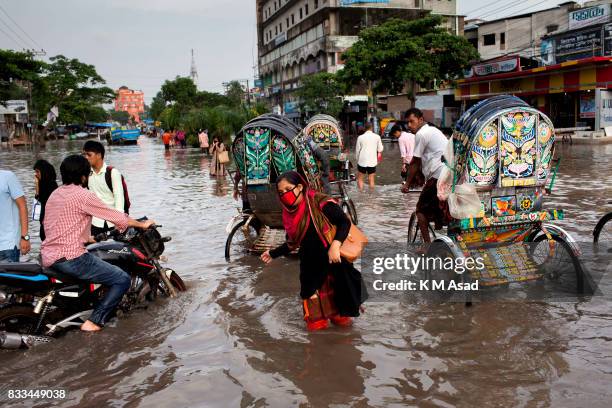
(289, 198)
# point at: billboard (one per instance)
(14, 107)
(580, 44)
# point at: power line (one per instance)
(15, 33)
(11, 38)
(22, 30)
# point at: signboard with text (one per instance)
(496, 67)
(581, 44)
(607, 40)
(588, 16)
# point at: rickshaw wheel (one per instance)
(240, 241)
(414, 232)
(603, 230)
(563, 266)
(349, 209)
(438, 252)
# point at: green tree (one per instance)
(74, 87)
(17, 70)
(119, 116)
(235, 93)
(320, 93)
(180, 90)
(406, 52)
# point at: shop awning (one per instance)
(570, 76)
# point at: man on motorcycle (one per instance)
(67, 223)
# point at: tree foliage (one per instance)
(17, 68)
(74, 87)
(321, 93)
(406, 51)
(234, 93)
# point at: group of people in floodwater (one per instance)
(173, 138)
(93, 199)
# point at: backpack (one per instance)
(109, 183)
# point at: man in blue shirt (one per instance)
(14, 236)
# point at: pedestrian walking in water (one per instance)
(167, 139)
(406, 141)
(368, 152)
(331, 288)
(216, 167)
(203, 139)
(181, 138)
(14, 238)
(45, 182)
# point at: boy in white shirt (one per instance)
(114, 198)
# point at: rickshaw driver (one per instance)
(430, 146)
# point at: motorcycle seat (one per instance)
(64, 278)
(25, 268)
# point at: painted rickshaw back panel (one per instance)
(266, 147)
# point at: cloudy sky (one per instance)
(140, 43)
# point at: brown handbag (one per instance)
(353, 245)
(224, 157)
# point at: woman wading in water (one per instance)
(331, 288)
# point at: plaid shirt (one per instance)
(68, 222)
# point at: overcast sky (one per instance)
(140, 43)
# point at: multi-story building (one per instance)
(299, 37)
(130, 101)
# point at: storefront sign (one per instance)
(581, 44)
(607, 40)
(291, 107)
(587, 106)
(589, 16)
(496, 67)
(349, 2)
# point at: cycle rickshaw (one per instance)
(325, 132)
(505, 148)
(264, 148)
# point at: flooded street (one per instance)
(236, 338)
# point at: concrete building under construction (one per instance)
(300, 37)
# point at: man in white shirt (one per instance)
(97, 183)
(406, 142)
(367, 150)
(430, 146)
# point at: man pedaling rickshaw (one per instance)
(424, 170)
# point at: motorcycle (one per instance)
(36, 303)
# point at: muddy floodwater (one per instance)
(236, 338)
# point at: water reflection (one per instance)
(237, 338)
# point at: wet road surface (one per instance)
(236, 338)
